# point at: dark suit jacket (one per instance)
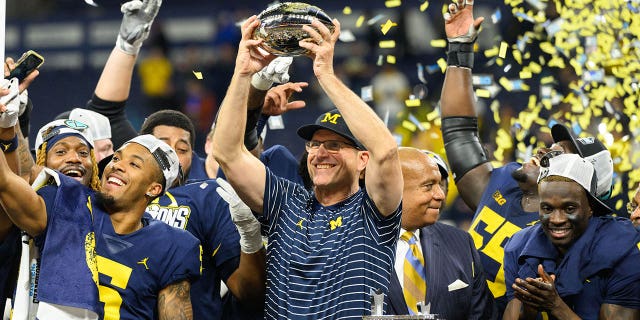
(449, 255)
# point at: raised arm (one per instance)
(114, 84)
(174, 302)
(469, 163)
(383, 176)
(19, 201)
(244, 171)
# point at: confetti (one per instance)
(347, 10)
(412, 103)
(360, 21)
(438, 43)
(409, 125)
(347, 36)
(503, 50)
(375, 19)
(483, 93)
(391, 59)
(421, 77)
(198, 75)
(442, 63)
(392, 3)
(424, 6)
(387, 26)
(415, 121)
(496, 16)
(366, 93)
(387, 44)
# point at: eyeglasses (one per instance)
(631, 207)
(544, 160)
(332, 146)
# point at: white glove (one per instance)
(277, 71)
(246, 223)
(136, 24)
(9, 118)
(24, 99)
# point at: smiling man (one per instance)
(434, 255)
(67, 146)
(110, 266)
(329, 247)
(577, 263)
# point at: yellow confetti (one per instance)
(198, 75)
(525, 74)
(433, 115)
(503, 50)
(346, 10)
(392, 3)
(491, 52)
(409, 125)
(517, 56)
(506, 83)
(387, 26)
(438, 43)
(391, 59)
(412, 103)
(547, 80)
(442, 63)
(424, 6)
(387, 44)
(483, 93)
(360, 21)
(495, 108)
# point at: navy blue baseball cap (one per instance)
(333, 122)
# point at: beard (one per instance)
(519, 175)
(106, 201)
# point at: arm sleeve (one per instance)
(121, 128)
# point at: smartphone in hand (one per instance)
(29, 62)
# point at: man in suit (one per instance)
(453, 285)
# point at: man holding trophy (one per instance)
(332, 247)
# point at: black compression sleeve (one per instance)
(462, 144)
(121, 128)
(250, 132)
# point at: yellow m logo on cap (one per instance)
(330, 117)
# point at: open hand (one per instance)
(459, 25)
(276, 102)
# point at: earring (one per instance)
(149, 194)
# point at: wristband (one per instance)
(9, 145)
(460, 54)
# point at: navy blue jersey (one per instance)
(498, 217)
(197, 208)
(323, 262)
(131, 269)
(600, 267)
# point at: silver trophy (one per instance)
(281, 27)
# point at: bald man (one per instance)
(453, 284)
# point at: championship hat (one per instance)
(165, 156)
(578, 169)
(595, 152)
(55, 130)
(99, 125)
